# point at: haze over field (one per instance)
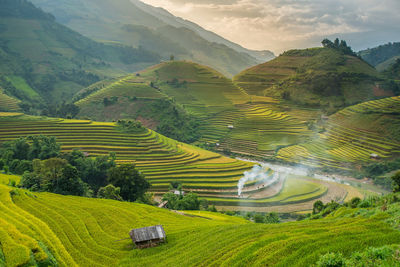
(279, 25)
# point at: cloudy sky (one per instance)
(279, 25)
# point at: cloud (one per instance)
(284, 24)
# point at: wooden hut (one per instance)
(148, 236)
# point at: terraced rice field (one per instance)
(74, 231)
(352, 136)
(163, 160)
(258, 129)
(8, 103)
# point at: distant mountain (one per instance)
(140, 25)
(382, 56)
(319, 77)
(168, 18)
(42, 61)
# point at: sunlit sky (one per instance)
(279, 25)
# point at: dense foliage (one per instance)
(380, 54)
(128, 126)
(72, 61)
(381, 256)
(131, 182)
(173, 121)
(340, 45)
(189, 201)
(45, 168)
(377, 171)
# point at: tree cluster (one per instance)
(64, 110)
(340, 45)
(129, 126)
(45, 168)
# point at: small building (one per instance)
(147, 237)
(178, 193)
(375, 156)
(231, 127)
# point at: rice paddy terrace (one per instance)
(163, 160)
(44, 229)
(8, 103)
(260, 124)
(352, 135)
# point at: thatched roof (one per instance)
(147, 233)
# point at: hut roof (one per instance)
(147, 233)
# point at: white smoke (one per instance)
(256, 173)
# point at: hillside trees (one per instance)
(132, 183)
(18, 154)
(396, 182)
(55, 175)
(340, 45)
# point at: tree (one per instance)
(132, 183)
(69, 183)
(272, 217)
(327, 43)
(172, 58)
(1, 164)
(259, 218)
(318, 207)
(43, 147)
(109, 192)
(396, 182)
(189, 201)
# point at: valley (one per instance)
(119, 115)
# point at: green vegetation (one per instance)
(139, 25)
(131, 182)
(44, 62)
(8, 103)
(381, 56)
(355, 135)
(83, 231)
(382, 256)
(327, 77)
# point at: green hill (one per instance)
(43, 61)
(319, 77)
(191, 92)
(136, 24)
(43, 229)
(163, 160)
(382, 56)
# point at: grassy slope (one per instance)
(260, 124)
(83, 232)
(199, 89)
(43, 59)
(314, 77)
(8, 103)
(352, 135)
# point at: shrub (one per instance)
(109, 192)
(259, 218)
(331, 260)
(354, 202)
(132, 183)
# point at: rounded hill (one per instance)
(320, 77)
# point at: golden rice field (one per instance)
(352, 135)
(42, 229)
(163, 160)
